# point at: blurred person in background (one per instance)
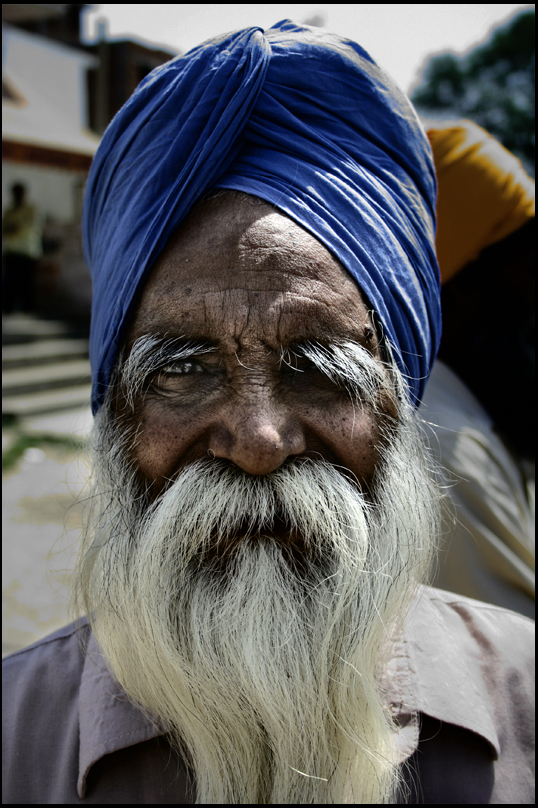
(480, 397)
(259, 222)
(21, 250)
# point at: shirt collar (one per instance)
(439, 667)
(109, 721)
(435, 668)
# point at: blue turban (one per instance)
(303, 119)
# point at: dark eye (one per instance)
(173, 377)
(304, 365)
(295, 363)
(302, 373)
(184, 367)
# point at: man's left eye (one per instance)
(300, 364)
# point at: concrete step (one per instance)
(47, 402)
(77, 422)
(44, 350)
(26, 328)
(36, 378)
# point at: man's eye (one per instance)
(168, 377)
(299, 364)
(186, 367)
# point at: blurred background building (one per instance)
(58, 96)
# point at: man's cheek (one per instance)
(163, 440)
(352, 435)
(168, 437)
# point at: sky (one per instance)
(400, 36)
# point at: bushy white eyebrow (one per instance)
(151, 353)
(348, 364)
(351, 366)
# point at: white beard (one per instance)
(262, 663)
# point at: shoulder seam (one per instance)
(44, 641)
(481, 606)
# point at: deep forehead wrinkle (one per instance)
(278, 326)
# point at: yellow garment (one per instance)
(21, 231)
(484, 193)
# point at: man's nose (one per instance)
(258, 435)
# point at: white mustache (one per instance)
(212, 502)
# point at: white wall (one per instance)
(49, 71)
(50, 81)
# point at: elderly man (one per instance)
(259, 223)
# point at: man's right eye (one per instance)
(169, 379)
(183, 367)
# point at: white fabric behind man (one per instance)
(489, 551)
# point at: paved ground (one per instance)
(42, 505)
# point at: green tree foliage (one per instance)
(493, 85)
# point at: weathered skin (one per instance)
(251, 281)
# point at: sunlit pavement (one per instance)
(43, 500)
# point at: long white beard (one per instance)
(262, 662)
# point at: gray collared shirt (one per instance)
(460, 685)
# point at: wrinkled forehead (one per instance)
(238, 263)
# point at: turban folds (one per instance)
(299, 117)
(484, 193)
